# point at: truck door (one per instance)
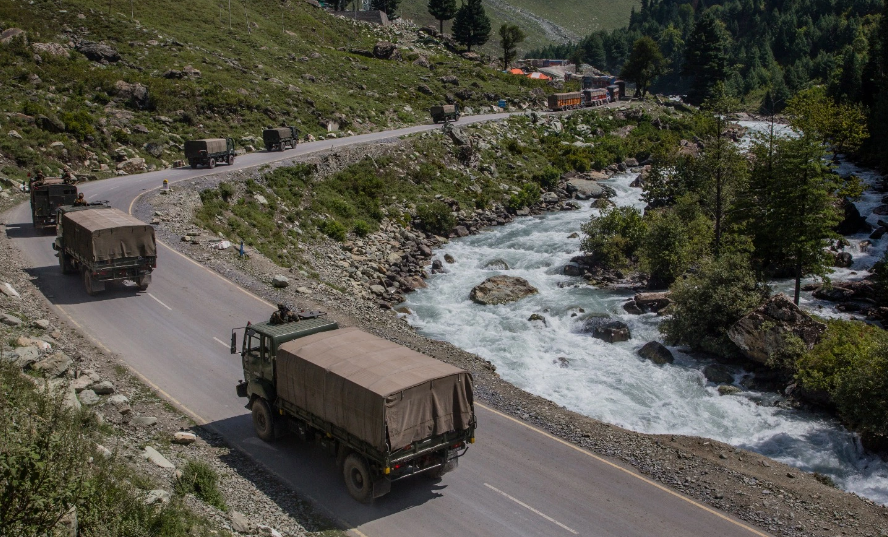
(257, 355)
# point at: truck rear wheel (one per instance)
(263, 421)
(357, 478)
(212, 163)
(65, 263)
(88, 283)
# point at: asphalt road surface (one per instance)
(516, 480)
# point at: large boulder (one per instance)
(852, 222)
(583, 189)
(764, 332)
(9, 34)
(98, 52)
(607, 329)
(385, 50)
(501, 290)
(51, 49)
(134, 94)
(652, 302)
(657, 353)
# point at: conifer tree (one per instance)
(510, 36)
(442, 10)
(706, 58)
(645, 64)
(471, 27)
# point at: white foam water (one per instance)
(610, 382)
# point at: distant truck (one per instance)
(565, 101)
(385, 411)
(210, 152)
(47, 195)
(280, 138)
(105, 245)
(446, 112)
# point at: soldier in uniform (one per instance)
(283, 315)
(80, 201)
(69, 178)
(38, 178)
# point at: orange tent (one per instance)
(516, 71)
(539, 76)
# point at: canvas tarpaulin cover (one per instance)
(210, 145)
(105, 234)
(366, 384)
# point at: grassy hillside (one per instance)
(573, 18)
(277, 65)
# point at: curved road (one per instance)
(516, 480)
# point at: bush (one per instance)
(671, 245)
(436, 218)
(614, 237)
(226, 190)
(361, 228)
(202, 481)
(332, 229)
(548, 178)
(706, 304)
(526, 197)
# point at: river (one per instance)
(610, 382)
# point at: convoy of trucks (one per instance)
(47, 195)
(386, 412)
(105, 245)
(209, 152)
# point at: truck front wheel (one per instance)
(212, 163)
(357, 478)
(263, 421)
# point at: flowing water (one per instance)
(610, 382)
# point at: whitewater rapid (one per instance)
(610, 382)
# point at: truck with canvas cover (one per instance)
(446, 112)
(385, 411)
(280, 138)
(210, 152)
(47, 195)
(105, 245)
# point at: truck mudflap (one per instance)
(381, 487)
(452, 457)
(242, 389)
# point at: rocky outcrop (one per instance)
(844, 291)
(765, 332)
(607, 329)
(852, 222)
(657, 353)
(384, 50)
(647, 303)
(98, 52)
(501, 290)
(134, 94)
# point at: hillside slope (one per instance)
(92, 85)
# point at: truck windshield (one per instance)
(251, 341)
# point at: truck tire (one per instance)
(65, 263)
(193, 165)
(87, 283)
(230, 160)
(439, 472)
(212, 163)
(263, 421)
(357, 478)
(143, 283)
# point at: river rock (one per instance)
(538, 317)
(763, 332)
(718, 374)
(652, 302)
(657, 353)
(497, 264)
(501, 290)
(727, 389)
(449, 259)
(583, 189)
(573, 269)
(607, 329)
(843, 259)
(852, 222)
(632, 308)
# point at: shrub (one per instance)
(333, 229)
(614, 237)
(226, 190)
(436, 218)
(202, 481)
(548, 178)
(671, 245)
(361, 228)
(527, 196)
(706, 304)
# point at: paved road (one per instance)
(516, 480)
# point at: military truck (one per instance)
(386, 412)
(105, 245)
(210, 152)
(446, 112)
(47, 195)
(280, 138)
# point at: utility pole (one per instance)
(132, 9)
(229, 14)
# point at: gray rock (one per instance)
(607, 329)
(103, 451)
(8, 290)
(134, 94)
(9, 34)
(152, 455)
(657, 353)
(763, 332)
(652, 302)
(118, 400)
(23, 357)
(497, 264)
(538, 317)
(573, 269)
(157, 496)
(240, 523)
(10, 320)
(501, 290)
(98, 52)
(260, 199)
(184, 438)
(632, 308)
(144, 421)
(88, 398)
(303, 290)
(727, 389)
(102, 388)
(461, 231)
(718, 374)
(54, 365)
(457, 135)
(449, 259)
(280, 281)
(377, 289)
(41, 323)
(385, 50)
(584, 189)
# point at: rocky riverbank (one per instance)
(771, 495)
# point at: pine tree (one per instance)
(645, 64)
(471, 27)
(442, 10)
(706, 58)
(510, 36)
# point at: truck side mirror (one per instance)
(233, 343)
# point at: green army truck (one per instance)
(105, 245)
(209, 152)
(446, 112)
(47, 195)
(385, 411)
(280, 138)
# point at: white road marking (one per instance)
(529, 508)
(222, 342)
(159, 302)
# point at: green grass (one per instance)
(200, 479)
(303, 76)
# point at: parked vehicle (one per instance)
(105, 245)
(595, 97)
(446, 112)
(385, 411)
(210, 152)
(280, 138)
(565, 101)
(47, 195)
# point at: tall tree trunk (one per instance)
(798, 282)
